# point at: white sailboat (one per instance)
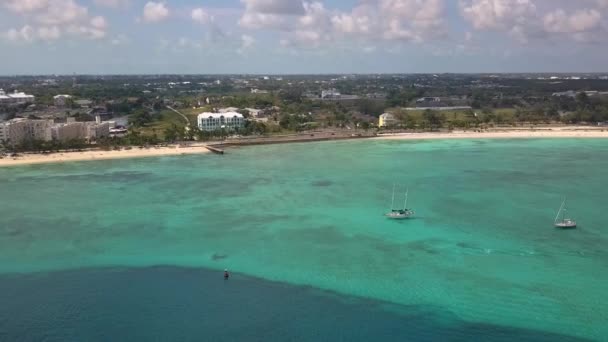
(399, 214)
(563, 222)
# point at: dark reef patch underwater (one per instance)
(184, 304)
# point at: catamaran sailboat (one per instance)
(399, 214)
(564, 223)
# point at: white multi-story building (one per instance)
(216, 121)
(68, 131)
(97, 130)
(17, 131)
(15, 98)
(2, 132)
(90, 131)
(4, 99)
(61, 100)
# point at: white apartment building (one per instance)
(17, 131)
(15, 98)
(90, 131)
(68, 131)
(4, 99)
(2, 132)
(97, 130)
(216, 121)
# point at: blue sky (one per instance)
(295, 36)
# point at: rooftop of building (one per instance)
(220, 115)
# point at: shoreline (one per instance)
(176, 150)
(498, 134)
(91, 155)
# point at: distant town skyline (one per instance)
(302, 37)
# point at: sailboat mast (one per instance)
(393, 201)
(405, 203)
(560, 210)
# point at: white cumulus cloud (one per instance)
(200, 15)
(47, 20)
(582, 25)
(61, 12)
(538, 19)
(155, 12)
(24, 6)
(498, 14)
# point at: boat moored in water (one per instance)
(564, 222)
(399, 214)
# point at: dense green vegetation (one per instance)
(292, 103)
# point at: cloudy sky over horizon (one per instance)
(295, 36)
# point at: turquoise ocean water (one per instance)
(482, 247)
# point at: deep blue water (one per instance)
(182, 304)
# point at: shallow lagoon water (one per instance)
(482, 248)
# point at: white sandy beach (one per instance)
(547, 132)
(559, 132)
(135, 152)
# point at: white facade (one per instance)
(387, 120)
(68, 131)
(15, 98)
(17, 131)
(3, 129)
(330, 94)
(216, 121)
(97, 130)
(61, 100)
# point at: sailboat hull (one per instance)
(565, 225)
(400, 215)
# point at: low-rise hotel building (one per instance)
(216, 121)
(387, 120)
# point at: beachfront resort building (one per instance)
(90, 131)
(68, 131)
(216, 121)
(15, 98)
(387, 120)
(97, 130)
(17, 131)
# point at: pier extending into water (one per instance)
(214, 149)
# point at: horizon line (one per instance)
(316, 74)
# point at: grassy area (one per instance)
(505, 114)
(162, 121)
